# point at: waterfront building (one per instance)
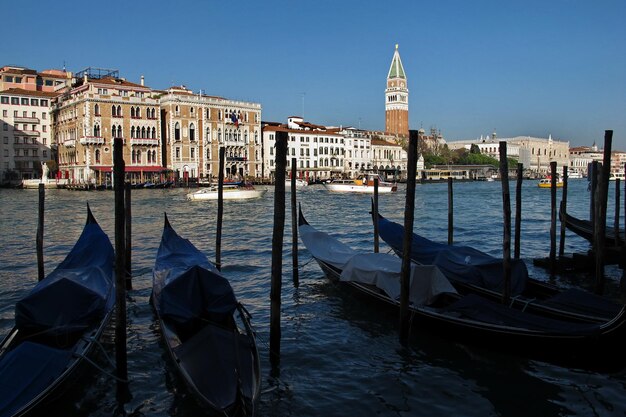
(319, 150)
(196, 126)
(389, 159)
(25, 120)
(99, 107)
(397, 99)
(358, 148)
(582, 156)
(535, 153)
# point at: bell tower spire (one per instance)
(397, 98)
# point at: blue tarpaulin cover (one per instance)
(187, 285)
(77, 294)
(458, 263)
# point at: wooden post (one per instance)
(39, 240)
(220, 211)
(375, 217)
(129, 229)
(600, 213)
(518, 209)
(294, 224)
(593, 175)
(553, 217)
(617, 204)
(409, 213)
(277, 246)
(450, 212)
(123, 393)
(563, 209)
(622, 282)
(506, 211)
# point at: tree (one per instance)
(474, 149)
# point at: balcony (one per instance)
(144, 141)
(27, 132)
(69, 143)
(92, 140)
(26, 120)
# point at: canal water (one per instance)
(340, 353)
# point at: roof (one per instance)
(18, 70)
(118, 82)
(284, 128)
(379, 142)
(22, 92)
(396, 70)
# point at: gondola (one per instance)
(473, 271)
(436, 307)
(213, 348)
(584, 229)
(57, 325)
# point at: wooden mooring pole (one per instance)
(622, 282)
(450, 213)
(553, 181)
(563, 209)
(220, 211)
(128, 235)
(375, 217)
(409, 213)
(600, 213)
(506, 211)
(518, 210)
(277, 246)
(593, 175)
(40, 223)
(121, 360)
(617, 204)
(294, 224)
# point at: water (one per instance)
(340, 353)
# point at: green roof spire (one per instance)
(396, 70)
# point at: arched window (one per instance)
(119, 111)
(96, 130)
(97, 155)
(132, 132)
(96, 110)
(133, 156)
(154, 133)
(138, 156)
(143, 132)
(177, 131)
(132, 112)
(153, 156)
(208, 134)
(119, 132)
(177, 111)
(192, 131)
(114, 131)
(153, 113)
(191, 110)
(256, 138)
(138, 113)
(219, 135)
(149, 157)
(245, 137)
(113, 111)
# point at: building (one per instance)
(319, 150)
(99, 107)
(389, 159)
(397, 99)
(535, 153)
(582, 156)
(358, 148)
(25, 103)
(196, 126)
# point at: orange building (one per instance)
(397, 99)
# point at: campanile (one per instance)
(397, 99)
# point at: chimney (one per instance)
(142, 80)
(85, 77)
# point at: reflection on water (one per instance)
(340, 352)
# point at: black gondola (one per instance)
(212, 347)
(58, 324)
(473, 271)
(584, 229)
(470, 318)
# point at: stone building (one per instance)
(397, 99)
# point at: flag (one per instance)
(233, 118)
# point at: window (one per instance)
(113, 111)
(177, 131)
(34, 102)
(15, 100)
(96, 110)
(24, 102)
(45, 154)
(44, 116)
(192, 132)
(8, 78)
(49, 83)
(18, 80)
(44, 128)
(4, 113)
(6, 140)
(192, 153)
(4, 100)
(44, 103)
(177, 153)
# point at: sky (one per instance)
(537, 68)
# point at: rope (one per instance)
(95, 365)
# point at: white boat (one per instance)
(299, 182)
(363, 184)
(574, 175)
(231, 192)
(616, 175)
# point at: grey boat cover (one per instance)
(325, 247)
(384, 271)
(217, 351)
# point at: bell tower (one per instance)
(396, 99)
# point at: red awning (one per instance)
(129, 168)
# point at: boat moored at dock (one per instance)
(231, 192)
(362, 184)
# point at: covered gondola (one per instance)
(206, 330)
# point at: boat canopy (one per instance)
(458, 263)
(325, 247)
(77, 293)
(22, 369)
(384, 271)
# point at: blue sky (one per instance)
(520, 67)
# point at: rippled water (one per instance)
(340, 353)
